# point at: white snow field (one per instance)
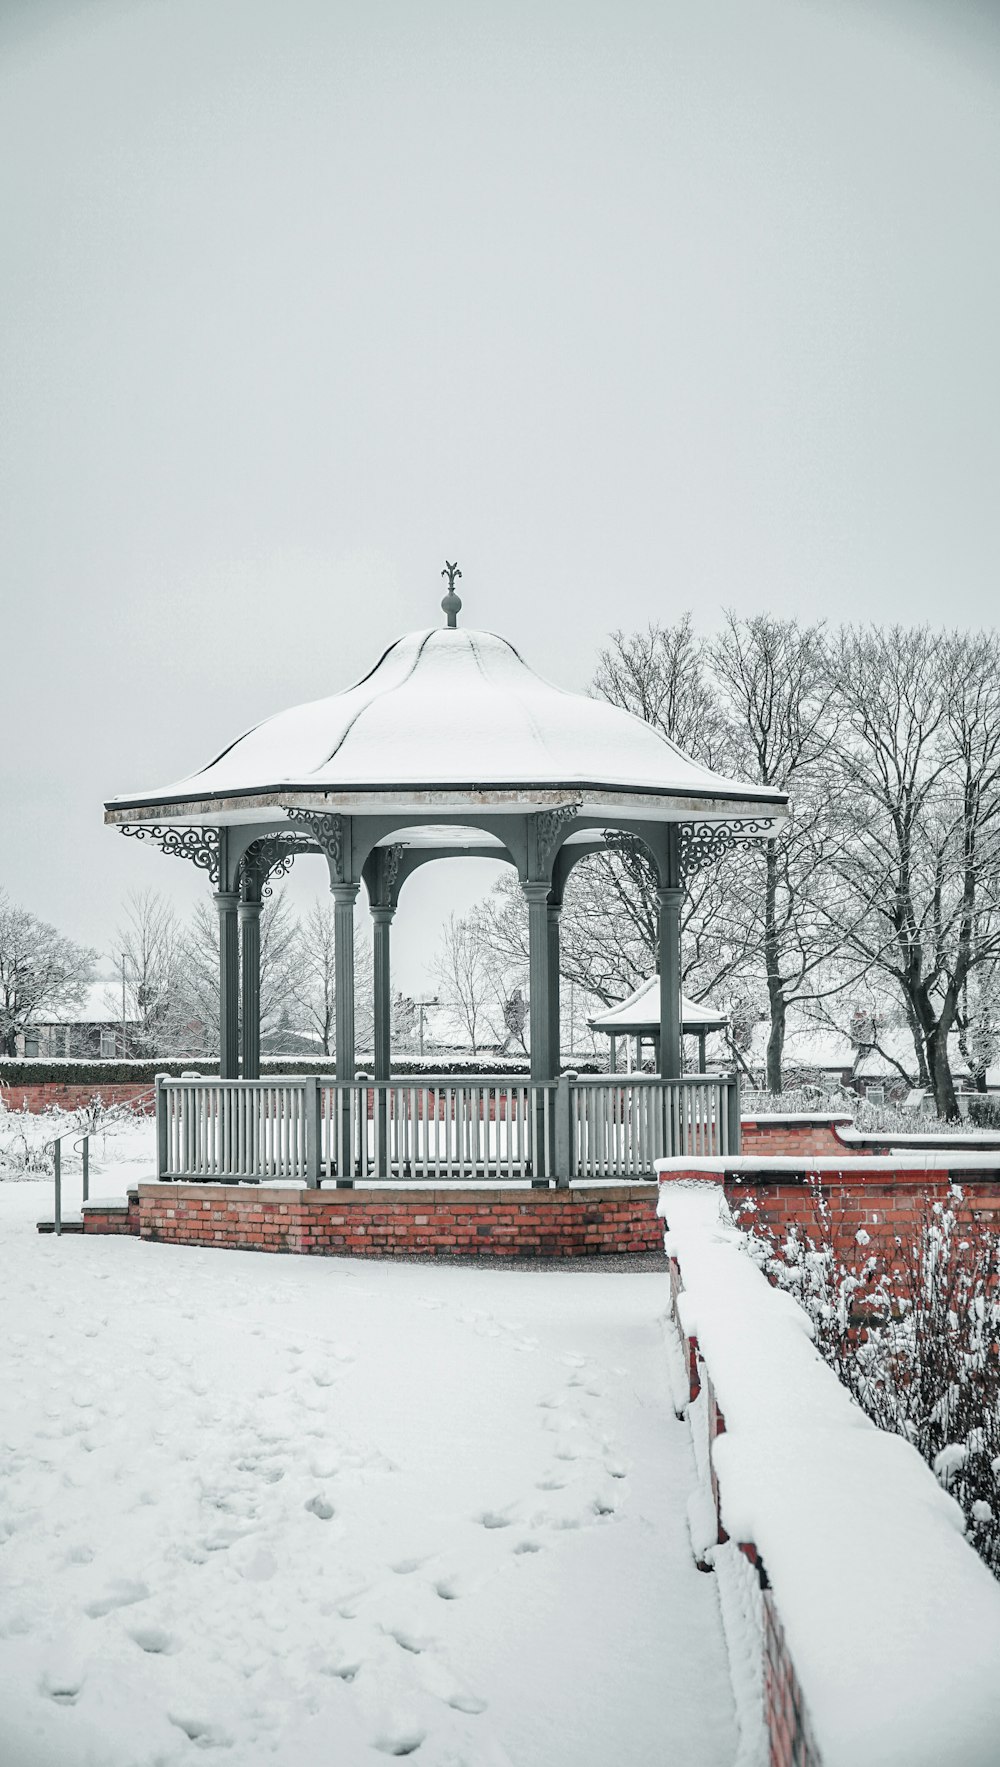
(322, 1512)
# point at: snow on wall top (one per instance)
(892, 1621)
(454, 708)
(641, 1012)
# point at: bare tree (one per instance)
(41, 971)
(777, 691)
(315, 979)
(918, 742)
(150, 947)
(279, 966)
(467, 976)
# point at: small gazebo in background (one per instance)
(450, 746)
(637, 1020)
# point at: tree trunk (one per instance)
(776, 1042)
(944, 1086)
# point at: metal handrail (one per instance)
(83, 1146)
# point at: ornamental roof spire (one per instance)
(451, 603)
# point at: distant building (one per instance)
(87, 1032)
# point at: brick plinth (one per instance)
(495, 1223)
(112, 1217)
(778, 1135)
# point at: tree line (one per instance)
(878, 905)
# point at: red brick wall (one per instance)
(784, 1135)
(879, 1202)
(53, 1093)
(98, 1220)
(384, 1223)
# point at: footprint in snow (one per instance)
(319, 1506)
(153, 1640)
(400, 1742)
(120, 1594)
(494, 1518)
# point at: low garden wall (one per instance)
(591, 1221)
(858, 1202)
(862, 1628)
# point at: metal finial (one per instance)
(451, 603)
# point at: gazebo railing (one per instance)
(495, 1129)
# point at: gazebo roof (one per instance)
(639, 1015)
(452, 717)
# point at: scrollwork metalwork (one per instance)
(267, 859)
(701, 843)
(200, 845)
(328, 831)
(548, 826)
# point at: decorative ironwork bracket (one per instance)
(200, 845)
(328, 832)
(387, 863)
(548, 826)
(700, 844)
(271, 857)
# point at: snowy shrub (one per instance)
(912, 1329)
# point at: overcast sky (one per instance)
(629, 307)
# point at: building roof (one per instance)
(639, 1015)
(454, 716)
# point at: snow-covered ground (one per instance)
(320, 1512)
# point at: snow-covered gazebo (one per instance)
(450, 746)
(638, 1017)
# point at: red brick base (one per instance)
(590, 1222)
(112, 1218)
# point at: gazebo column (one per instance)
(381, 923)
(553, 911)
(701, 1052)
(539, 972)
(227, 903)
(344, 897)
(249, 918)
(669, 927)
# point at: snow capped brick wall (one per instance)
(879, 1629)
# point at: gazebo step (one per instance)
(70, 1224)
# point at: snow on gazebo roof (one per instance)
(453, 716)
(639, 1015)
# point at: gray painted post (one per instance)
(613, 1053)
(57, 1166)
(381, 923)
(312, 1106)
(564, 1130)
(227, 903)
(381, 936)
(249, 922)
(701, 1052)
(540, 1018)
(553, 911)
(344, 898)
(733, 1112)
(161, 1145)
(669, 904)
(538, 982)
(86, 1168)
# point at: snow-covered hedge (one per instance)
(64, 1071)
(891, 1620)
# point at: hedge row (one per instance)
(64, 1071)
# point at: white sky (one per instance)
(627, 307)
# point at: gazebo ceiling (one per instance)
(450, 718)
